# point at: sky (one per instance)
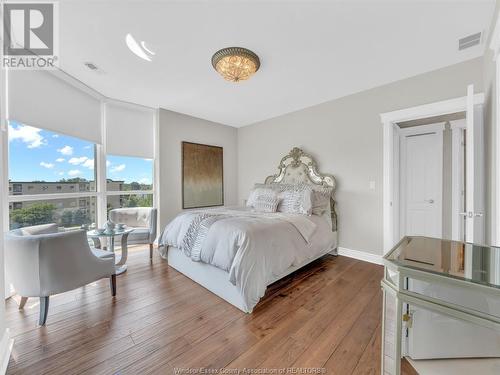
(41, 155)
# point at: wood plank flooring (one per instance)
(326, 315)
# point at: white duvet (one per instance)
(254, 248)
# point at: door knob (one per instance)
(431, 201)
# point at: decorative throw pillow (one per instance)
(266, 203)
(257, 192)
(295, 199)
(320, 197)
(320, 200)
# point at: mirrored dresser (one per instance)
(441, 300)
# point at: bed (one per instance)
(236, 252)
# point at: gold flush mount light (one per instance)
(235, 63)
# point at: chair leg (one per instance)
(112, 284)
(22, 302)
(150, 251)
(44, 310)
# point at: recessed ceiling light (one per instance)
(137, 49)
(91, 65)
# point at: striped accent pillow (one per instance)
(266, 203)
(257, 192)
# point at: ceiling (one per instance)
(311, 51)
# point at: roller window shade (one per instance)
(129, 130)
(43, 100)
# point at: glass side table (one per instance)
(96, 236)
(453, 272)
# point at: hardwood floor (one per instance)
(326, 315)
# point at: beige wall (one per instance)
(345, 135)
(175, 128)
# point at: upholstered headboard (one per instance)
(300, 167)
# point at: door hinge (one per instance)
(408, 319)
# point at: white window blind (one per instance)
(129, 130)
(43, 100)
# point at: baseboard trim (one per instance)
(361, 255)
(5, 349)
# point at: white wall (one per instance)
(345, 136)
(175, 128)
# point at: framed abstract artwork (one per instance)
(202, 175)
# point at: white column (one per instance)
(156, 165)
(101, 171)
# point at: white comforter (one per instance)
(254, 248)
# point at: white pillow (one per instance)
(296, 199)
(266, 203)
(257, 192)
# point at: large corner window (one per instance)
(51, 178)
(129, 181)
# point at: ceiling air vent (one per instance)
(91, 66)
(469, 41)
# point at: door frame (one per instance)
(389, 120)
(437, 129)
(458, 178)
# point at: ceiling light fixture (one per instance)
(235, 63)
(138, 50)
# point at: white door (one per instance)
(434, 335)
(474, 172)
(422, 165)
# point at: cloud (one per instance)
(87, 147)
(27, 134)
(89, 163)
(145, 181)
(55, 135)
(66, 150)
(60, 173)
(47, 165)
(83, 161)
(108, 163)
(78, 161)
(118, 168)
(74, 172)
(60, 160)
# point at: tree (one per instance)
(67, 218)
(138, 201)
(80, 217)
(38, 213)
(135, 186)
(74, 179)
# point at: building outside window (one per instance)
(44, 166)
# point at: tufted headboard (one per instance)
(300, 167)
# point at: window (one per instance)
(129, 174)
(43, 160)
(65, 212)
(47, 164)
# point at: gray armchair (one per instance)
(40, 262)
(142, 219)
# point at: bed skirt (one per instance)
(216, 280)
